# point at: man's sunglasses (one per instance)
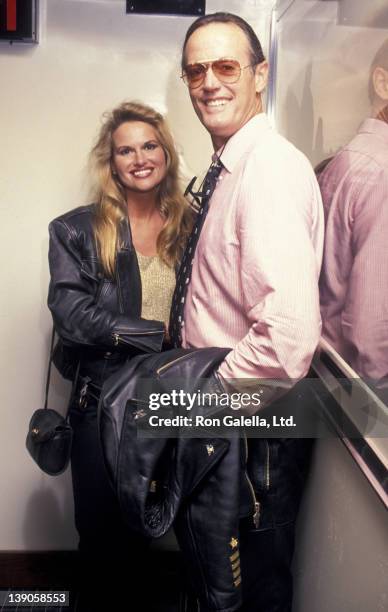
(225, 70)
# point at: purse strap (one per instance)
(48, 377)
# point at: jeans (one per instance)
(278, 469)
(266, 556)
(112, 557)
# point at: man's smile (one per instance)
(215, 102)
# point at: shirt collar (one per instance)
(242, 141)
(374, 126)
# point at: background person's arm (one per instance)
(365, 315)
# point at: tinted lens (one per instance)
(194, 74)
(227, 71)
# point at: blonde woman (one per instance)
(112, 267)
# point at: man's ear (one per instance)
(261, 76)
(380, 83)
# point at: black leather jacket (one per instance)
(96, 317)
(193, 483)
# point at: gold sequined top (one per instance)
(158, 284)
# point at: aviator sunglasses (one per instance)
(225, 70)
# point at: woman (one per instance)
(112, 267)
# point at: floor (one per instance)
(38, 572)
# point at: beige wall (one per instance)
(322, 76)
(91, 56)
(341, 563)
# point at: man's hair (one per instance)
(379, 60)
(256, 52)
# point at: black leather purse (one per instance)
(50, 435)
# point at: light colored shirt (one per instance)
(157, 287)
(354, 294)
(254, 285)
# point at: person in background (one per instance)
(249, 281)
(354, 186)
(112, 266)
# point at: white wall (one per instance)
(91, 56)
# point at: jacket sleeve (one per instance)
(77, 317)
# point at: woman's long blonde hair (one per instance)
(110, 197)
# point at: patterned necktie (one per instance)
(185, 269)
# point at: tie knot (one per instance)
(216, 167)
(211, 177)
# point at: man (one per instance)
(354, 299)
(254, 277)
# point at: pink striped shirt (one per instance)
(254, 285)
(354, 296)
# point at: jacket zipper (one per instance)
(267, 472)
(121, 306)
(194, 546)
(256, 514)
(170, 363)
(117, 338)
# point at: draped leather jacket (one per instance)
(187, 477)
(97, 317)
(195, 480)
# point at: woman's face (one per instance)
(138, 157)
